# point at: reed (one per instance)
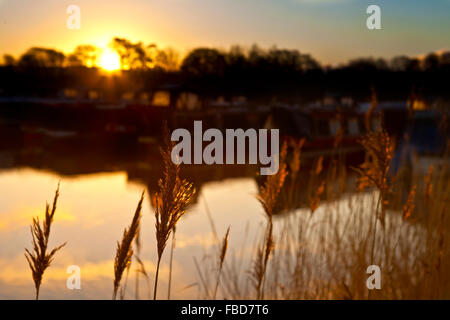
(141, 270)
(317, 186)
(39, 259)
(124, 251)
(409, 206)
(268, 197)
(326, 255)
(259, 268)
(374, 173)
(172, 248)
(294, 169)
(170, 204)
(223, 252)
(270, 190)
(138, 245)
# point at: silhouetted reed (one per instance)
(170, 203)
(172, 248)
(39, 259)
(223, 252)
(124, 251)
(268, 197)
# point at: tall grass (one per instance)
(124, 251)
(268, 197)
(39, 259)
(170, 204)
(313, 247)
(223, 252)
(361, 217)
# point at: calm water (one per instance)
(101, 182)
(92, 212)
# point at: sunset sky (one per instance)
(333, 31)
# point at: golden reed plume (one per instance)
(39, 260)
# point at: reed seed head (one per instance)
(39, 259)
(124, 251)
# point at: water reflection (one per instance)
(92, 212)
(101, 181)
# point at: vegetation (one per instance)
(324, 253)
(124, 252)
(255, 72)
(323, 249)
(40, 259)
(170, 204)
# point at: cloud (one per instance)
(23, 216)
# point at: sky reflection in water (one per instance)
(92, 212)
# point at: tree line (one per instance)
(259, 73)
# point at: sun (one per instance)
(109, 60)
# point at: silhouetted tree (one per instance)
(84, 55)
(260, 74)
(368, 64)
(42, 57)
(283, 60)
(133, 55)
(204, 62)
(308, 63)
(167, 59)
(236, 60)
(413, 65)
(431, 62)
(400, 63)
(445, 58)
(9, 60)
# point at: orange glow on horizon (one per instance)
(109, 60)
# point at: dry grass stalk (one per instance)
(314, 201)
(124, 251)
(172, 248)
(223, 252)
(339, 136)
(414, 256)
(141, 270)
(123, 288)
(371, 111)
(141, 267)
(294, 166)
(268, 196)
(137, 243)
(319, 189)
(319, 166)
(39, 260)
(170, 203)
(441, 240)
(295, 162)
(374, 171)
(409, 206)
(260, 264)
(428, 184)
(270, 190)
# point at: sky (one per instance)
(332, 31)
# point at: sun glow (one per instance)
(109, 60)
